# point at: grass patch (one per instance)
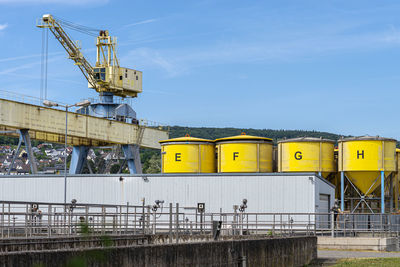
(384, 262)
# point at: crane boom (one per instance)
(107, 75)
(70, 46)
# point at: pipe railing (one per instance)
(41, 219)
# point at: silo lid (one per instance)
(243, 137)
(366, 138)
(186, 139)
(306, 139)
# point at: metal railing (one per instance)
(34, 219)
(23, 98)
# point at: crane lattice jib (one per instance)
(70, 46)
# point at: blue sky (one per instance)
(313, 65)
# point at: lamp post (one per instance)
(48, 103)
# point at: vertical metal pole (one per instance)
(201, 222)
(342, 190)
(9, 220)
(134, 220)
(26, 220)
(65, 155)
(49, 219)
(143, 219)
(154, 222)
(273, 225)
(103, 220)
(256, 224)
(2, 221)
(382, 192)
(332, 224)
(127, 218)
(177, 222)
(170, 223)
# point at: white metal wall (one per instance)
(323, 188)
(264, 192)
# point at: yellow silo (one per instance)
(306, 154)
(244, 153)
(366, 160)
(188, 155)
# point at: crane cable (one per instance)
(44, 61)
(76, 27)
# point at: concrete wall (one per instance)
(295, 251)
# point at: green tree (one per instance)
(153, 165)
(115, 168)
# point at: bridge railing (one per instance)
(41, 219)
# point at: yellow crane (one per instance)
(106, 75)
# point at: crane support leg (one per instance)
(15, 156)
(132, 157)
(28, 146)
(78, 159)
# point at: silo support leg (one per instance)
(132, 157)
(78, 159)
(396, 192)
(391, 193)
(382, 192)
(342, 191)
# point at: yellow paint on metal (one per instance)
(363, 158)
(306, 155)
(396, 182)
(188, 155)
(397, 159)
(245, 153)
(48, 124)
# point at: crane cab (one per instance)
(120, 81)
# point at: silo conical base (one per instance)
(364, 184)
(366, 181)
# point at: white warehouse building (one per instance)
(265, 192)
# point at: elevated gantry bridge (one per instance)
(48, 124)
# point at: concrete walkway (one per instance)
(342, 254)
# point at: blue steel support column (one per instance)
(342, 191)
(78, 159)
(382, 192)
(132, 157)
(28, 145)
(15, 156)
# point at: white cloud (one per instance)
(3, 26)
(140, 22)
(150, 58)
(180, 60)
